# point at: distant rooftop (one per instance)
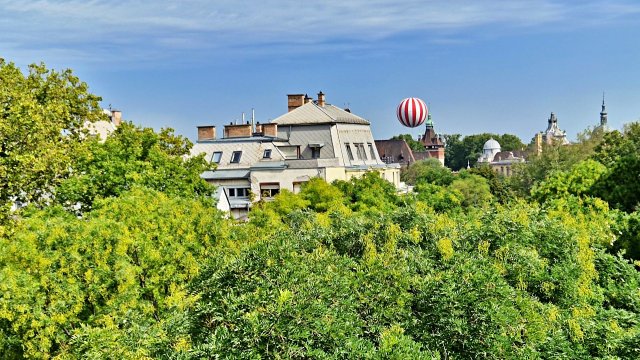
(312, 113)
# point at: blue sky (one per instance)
(483, 66)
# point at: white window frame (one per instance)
(213, 157)
(372, 151)
(349, 152)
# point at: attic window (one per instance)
(349, 153)
(373, 154)
(362, 155)
(266, 154)
(215, 158)
(235, 156)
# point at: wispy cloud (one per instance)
(111, 30)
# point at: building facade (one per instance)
(553, 134)
(313, 139)
(433, 144)
(500, 161)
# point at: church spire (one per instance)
(603, 114)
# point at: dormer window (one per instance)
(373, 154)
(235, 157)
(349, 153)
(215, 158)
(362, 155)
(315, 150)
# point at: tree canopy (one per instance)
(133, 156)
(42, 114)
(120, 252)
(460, 151)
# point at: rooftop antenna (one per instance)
(253, 117)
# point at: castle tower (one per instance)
(433, 144)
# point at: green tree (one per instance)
(109, 285)
(620, 152)
(498, 183)
(462, 151)
(553, 158)
(440, 198)
(133, 156)
(369, 192)
(321, 195)
(41, 129)
(474, 190)
(578, 181)
(429, 171)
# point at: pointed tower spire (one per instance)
(603, 114)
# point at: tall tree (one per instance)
(105, 286)
(133, 156)
(41, 129)
(620, 152)
(553, 158)
(429, 171)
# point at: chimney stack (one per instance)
(320, 99)
(270, 129)
(295, 101)
(116, 117)
(307, 98)
(238, 131)
(206, 132)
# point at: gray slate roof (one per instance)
(310, 113)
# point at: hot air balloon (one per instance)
(412, 112)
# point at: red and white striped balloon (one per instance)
(412, 112)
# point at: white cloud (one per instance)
(162, 27)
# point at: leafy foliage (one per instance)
(346, 270)
(369, 192)
(430, 171)
(460, 151)
(498, 183)
(110, 283)
(553, 158)
(621, 154)
(133, 156)
(41, 127)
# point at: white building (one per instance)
(102, 128)
(489, 151)
(500, 161)
(554, 134)
(313, 139)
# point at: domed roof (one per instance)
(491, 144)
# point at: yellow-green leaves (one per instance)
(83, 283)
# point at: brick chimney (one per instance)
(234, 131)
(307, 98)
(116, 117)
(270, 129)
(295, 101)
(321, 99)
(206, 132)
